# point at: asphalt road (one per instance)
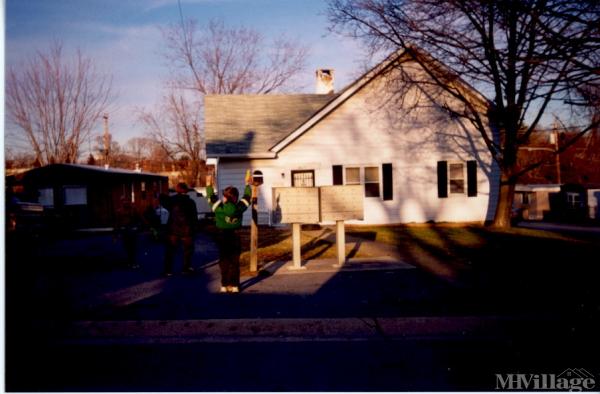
(414, 363)
(78, 320)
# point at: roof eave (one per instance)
(254, 156)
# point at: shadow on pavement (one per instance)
(51, 284)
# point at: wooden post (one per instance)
(254, 231)
(340, 239)
(296, 253)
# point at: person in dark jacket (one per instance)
(228, 219)
(127, 226)
(181, 227)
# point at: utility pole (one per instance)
(558, 177)
(106, 141)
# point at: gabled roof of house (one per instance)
(251, 124)
(260, 126)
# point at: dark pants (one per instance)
(130, 242)
(171, 247)
(230, 248)
(129, 239)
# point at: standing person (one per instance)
(127, 226)
(163, 214)
(152, 220)
(228, 218)
(181, 226)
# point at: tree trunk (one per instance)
(505, 202)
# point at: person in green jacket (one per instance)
(228, 218)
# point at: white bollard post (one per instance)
(340, 243)
(297, 256)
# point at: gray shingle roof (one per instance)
(242, 124)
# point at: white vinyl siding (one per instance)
(365, 132)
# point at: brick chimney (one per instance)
(325, 81)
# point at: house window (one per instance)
(370, 177)
(452, 176)
(573, 200)
(143, 194)
(352, 175)
(456, 178)
(46, 197)
(75, 195)
(371, 181)
(303, 178)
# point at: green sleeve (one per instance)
(210, 194)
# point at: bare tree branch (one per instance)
(178, 131)
(54, 103)
(526, 56)
(217, 59)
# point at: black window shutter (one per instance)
(472, 178)
(442, 177)
(388, 181)
(338, 175)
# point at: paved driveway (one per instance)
(373, 325)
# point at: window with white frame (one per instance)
(371, 181)
(573, 200)
(369, 176)
(303, 178)
(456, 178)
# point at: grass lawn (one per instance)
(468, 244)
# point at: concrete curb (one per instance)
(295, 330)
(329, 265)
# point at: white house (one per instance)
(415, 162)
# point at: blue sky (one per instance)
(124, 38)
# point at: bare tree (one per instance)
(221, 60)
(140, 148)
(117, 156)
(17, 159)
(176, 127)
(214, 59)
(54, 103)
(530, 59)
(147, 153)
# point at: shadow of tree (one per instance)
(507, 270)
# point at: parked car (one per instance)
(25, 215)
(202, 205)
